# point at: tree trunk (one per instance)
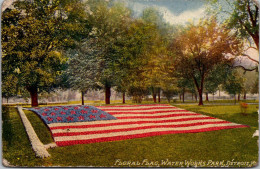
(123, 97)
(200, 97)
(235, 99)
(196, 97)
(238, 97)
(256, 40)
(192, 96)
(245, 96)
(199, 88)
(82, 98)
(169, 100)
(207, 96)
(159, 95)
(7, 100)
(34, 95)
(213, 96)
(183, 93)
(154, 97)
(139, 99)
(107, 94)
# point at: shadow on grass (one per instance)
(7, 133)
(41, 129)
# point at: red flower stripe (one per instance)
(132, 122)
(116, 138)
(136, 128)
(147, 117)
(150, 112)
(151, 108)
(141, 105)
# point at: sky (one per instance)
(5, 3)
(173, 11)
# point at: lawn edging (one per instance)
(39, 149)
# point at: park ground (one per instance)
(227, 146)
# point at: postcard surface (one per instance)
(130, 83)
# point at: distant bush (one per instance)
(243, 107)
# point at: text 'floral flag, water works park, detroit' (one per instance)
(71, 125)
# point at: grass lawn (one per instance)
(232, 144)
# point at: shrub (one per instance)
(243, 107)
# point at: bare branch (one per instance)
(251, 47)
(249, 57)
(246, 69)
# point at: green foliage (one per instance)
(241, 16)
(200, 47)
(85, 66)
(185, 84)
(216, 77)
(255, 87)
(233, 83)
(34, 36)
(249, 79)
(109, 22)
(245, 19)
(9, 83)
(168, 82)
(99, 44)
(153, 16)
(169, 92)
(133, 52)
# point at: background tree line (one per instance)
(99, 45)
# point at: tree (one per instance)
(153, 70)
(245, 19)
(169, 92)
(156, 69)
(241, 16)
(255, 88)
(233, 84)
(199, 48)
(249, 79)
(182, 86)
(109, 22)
(153, 16)
(9, 89)
(167, 81)
(34, 36)
(138, 56)
(85, 67)
(216, 77)
(132, 54)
